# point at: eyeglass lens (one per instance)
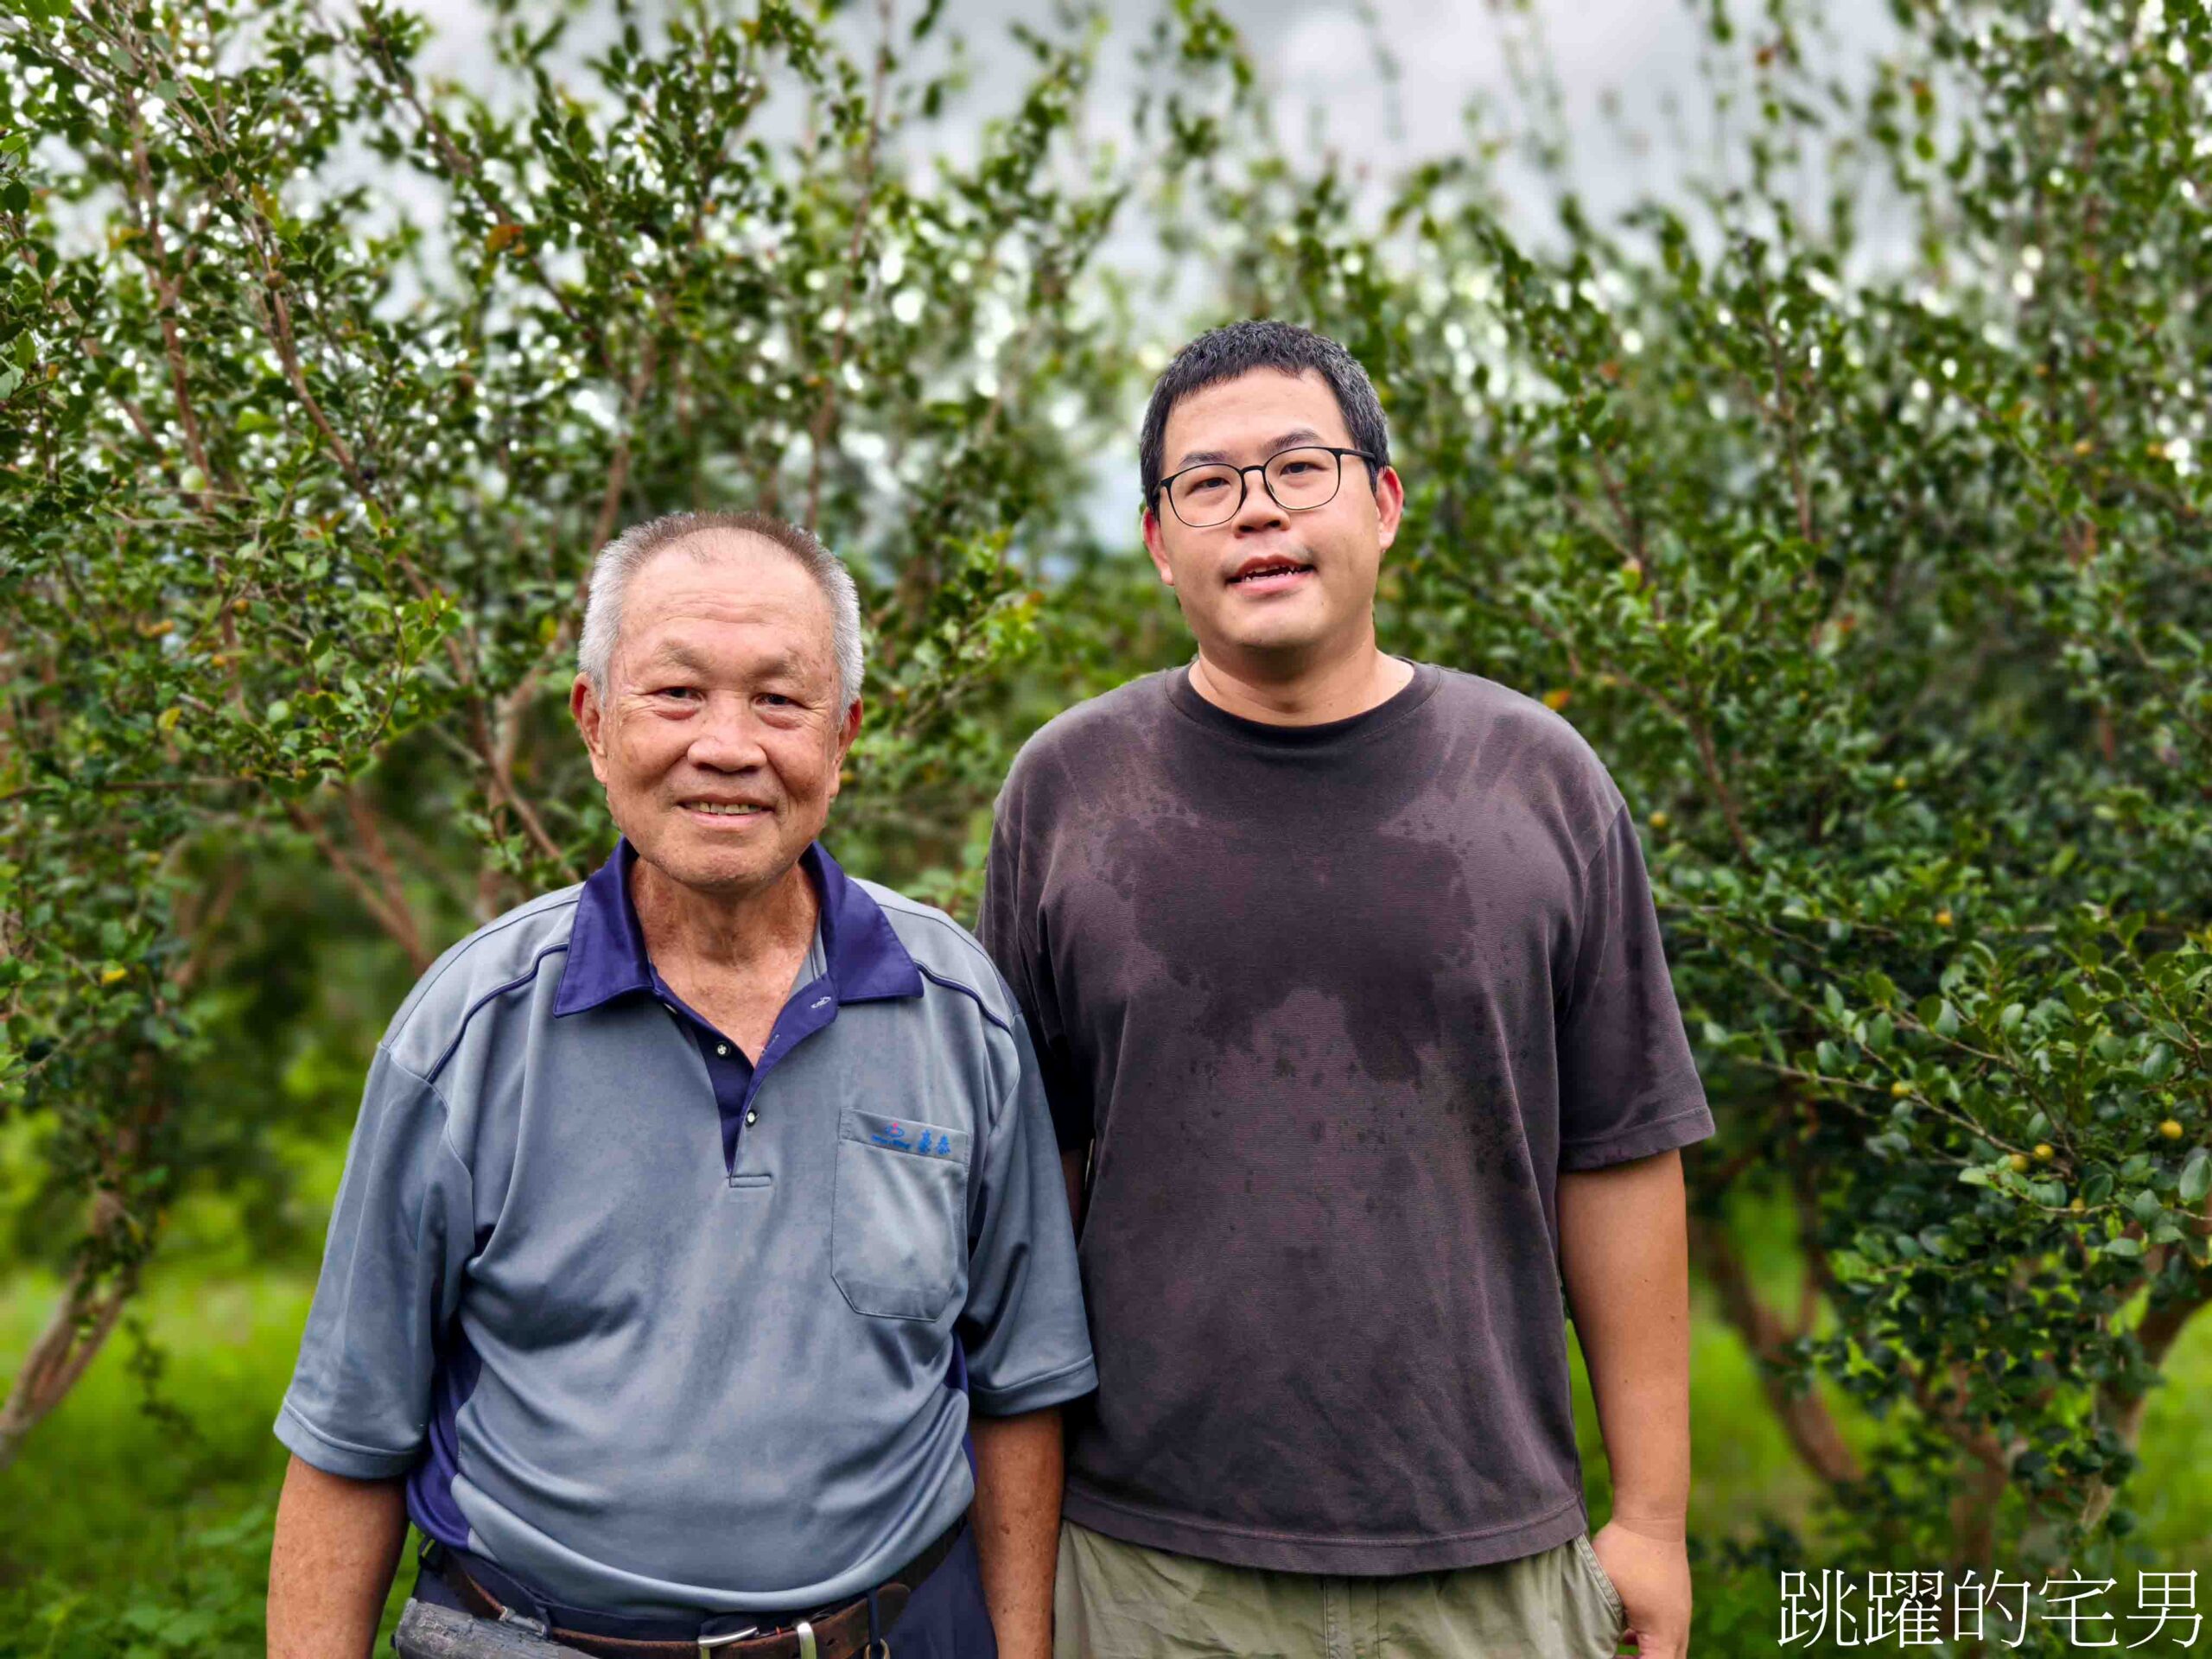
(1299, 480)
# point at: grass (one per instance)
(125, 1533)
(124, 1536)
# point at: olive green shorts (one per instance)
(1115, 1600)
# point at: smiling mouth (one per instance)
(1271, 571)
(726, 809)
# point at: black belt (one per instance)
(846, 1629)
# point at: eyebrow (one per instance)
(785, 664)
(1297, 435)
(676, 655)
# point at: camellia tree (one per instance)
(1874, 559)
(300, 476)
(1870, 552)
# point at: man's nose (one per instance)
(1259, 510)
(728, 739)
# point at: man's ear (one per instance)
(1155, 543)
(1389, 504)
(591, 723)
(848, 729)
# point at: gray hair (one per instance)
(620, 558)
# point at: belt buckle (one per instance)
(709, 1643)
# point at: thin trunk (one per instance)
(1804, 1416)
(79, 1326)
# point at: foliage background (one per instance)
(1849, 498)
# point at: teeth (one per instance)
(718, 810)
(1271, 571)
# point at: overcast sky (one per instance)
(1321, 65)
(1320, 60)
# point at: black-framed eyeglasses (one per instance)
(1300, 479)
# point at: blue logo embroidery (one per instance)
(894, 1136)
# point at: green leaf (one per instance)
(2197, 1177)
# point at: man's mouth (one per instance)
(726, 809)
(1275, 573)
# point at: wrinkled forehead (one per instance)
(724, 587)
(1251, 415)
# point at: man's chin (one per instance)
(1289, 641)
(694, 859)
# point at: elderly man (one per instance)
(692, 1211)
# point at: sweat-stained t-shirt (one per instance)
(1335, 1004)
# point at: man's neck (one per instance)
(1300, 694)
(686, 928)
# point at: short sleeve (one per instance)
(1007, 923)
(1628, 1086)
(400, 1233)
(1027, 1343)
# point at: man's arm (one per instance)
(1018, 1525)
(1073, 1161)
(1625, 1258)
(337, 1545)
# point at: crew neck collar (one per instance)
(1188, 700)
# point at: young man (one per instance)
(692, 1209)
(1348, 988)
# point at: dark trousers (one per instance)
(945, 1618)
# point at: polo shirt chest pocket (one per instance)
(898, 1214)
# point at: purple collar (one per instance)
(607, 947)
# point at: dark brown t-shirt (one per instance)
(1335, 1004)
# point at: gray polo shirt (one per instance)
(660, 1328)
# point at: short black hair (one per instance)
(1237, 348)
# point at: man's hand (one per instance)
(330, 1568)
(1017, 1520)
(1653, 1575)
